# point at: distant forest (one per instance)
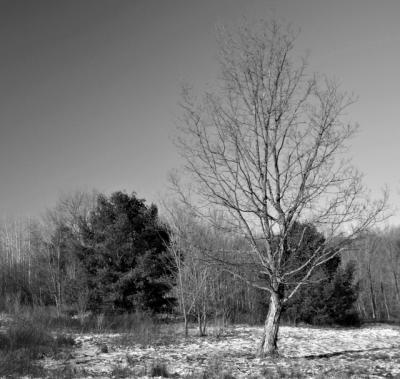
(100, 254)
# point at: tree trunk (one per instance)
(361, 309)
(385, 302)
(186, 326)
(268, 346)
(396, 283)
(372, 292)
(200, 323)
(183, 306)
(202, 320)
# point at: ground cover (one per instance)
(367, 352)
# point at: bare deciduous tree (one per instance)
(266, 150)
(193, 275)
(377, 256)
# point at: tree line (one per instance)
(99, 253)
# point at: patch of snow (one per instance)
(374, 350)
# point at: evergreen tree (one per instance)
(330, 295)
(342, 294)
(124, 254)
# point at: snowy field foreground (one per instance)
(367, 352)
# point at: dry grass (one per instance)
(143, 346)
(23, 343)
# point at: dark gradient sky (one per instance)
(90, 88)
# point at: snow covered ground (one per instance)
(372, 351)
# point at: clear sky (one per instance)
(89, 89)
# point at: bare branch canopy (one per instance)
(268, 150)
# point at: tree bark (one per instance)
(268, 346)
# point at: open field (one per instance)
(368, 352)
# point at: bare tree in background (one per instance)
(193, 275)
(71, 210)
(266, 150)
(61, 227)
(377, 254)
